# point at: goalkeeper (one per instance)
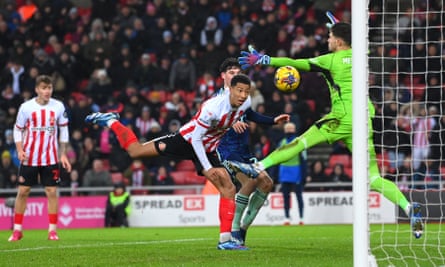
(336, 68)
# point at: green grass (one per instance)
(309, 245)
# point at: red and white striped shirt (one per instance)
(145, 126)
(39, 124)
(215, 117)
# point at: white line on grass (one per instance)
(106, 244)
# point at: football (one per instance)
(287, 79)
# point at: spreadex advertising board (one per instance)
(196, 210)
(202, 210)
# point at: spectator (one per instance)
(105, 142)
(183, 74)
(15, 75)
(146, 73)
(206, 85)
(338, 175)
(97, 176)
(8, 99)
(163, 74)
(426, 175)
(209, 59)
(118, 207)
(8, 172)
(405, 175)
(256, 96)
(10, 146)
(100, 87)
(421, 130)
(317, 175)
(138, 176)
(163, 177)
(43, 62)
(211, 33)
(88, 154)
(145, 121)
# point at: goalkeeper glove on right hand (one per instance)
(252, 57)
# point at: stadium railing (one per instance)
(197, 189)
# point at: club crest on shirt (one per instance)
(52, 120)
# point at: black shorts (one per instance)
(44, 175)
(176, 147)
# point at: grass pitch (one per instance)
(309, 245)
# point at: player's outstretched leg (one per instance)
(416, 220)
(246, 168)
(101, 119)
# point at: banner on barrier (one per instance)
(74, 212)
(202, 210)
(197, 210)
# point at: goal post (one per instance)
(360, 157)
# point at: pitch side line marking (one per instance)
(105, 244)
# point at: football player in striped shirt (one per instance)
(41, 124)
(196, 140)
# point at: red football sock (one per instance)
(52, 218)
(124, 135)
(226, 213)
(18, 218)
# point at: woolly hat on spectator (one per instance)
(166, 34)
(145, 56)
(174, 123)
(6, 154)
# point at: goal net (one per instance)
(407, 87)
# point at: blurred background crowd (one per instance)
(154, 62)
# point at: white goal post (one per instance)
(360, 131)
(399, 61)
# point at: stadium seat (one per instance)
(106, 164)
(311, 104)
(348, 171)
(178, 177)
(383, 160)
(184, 192)
(344, 159)
(117, 177)
(185, 165)
(187, 178)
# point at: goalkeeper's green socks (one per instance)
(390, 191)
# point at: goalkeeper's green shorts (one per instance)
(335, 129)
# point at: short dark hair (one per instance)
(240, 78)
(342, 30)
(229, 63)
(43, 79)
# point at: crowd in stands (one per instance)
(154, 62)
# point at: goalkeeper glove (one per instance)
(332, 18)
(252, 57)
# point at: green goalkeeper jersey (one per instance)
(336, 69)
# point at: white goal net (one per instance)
(407, 86)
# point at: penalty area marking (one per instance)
(106, 244)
